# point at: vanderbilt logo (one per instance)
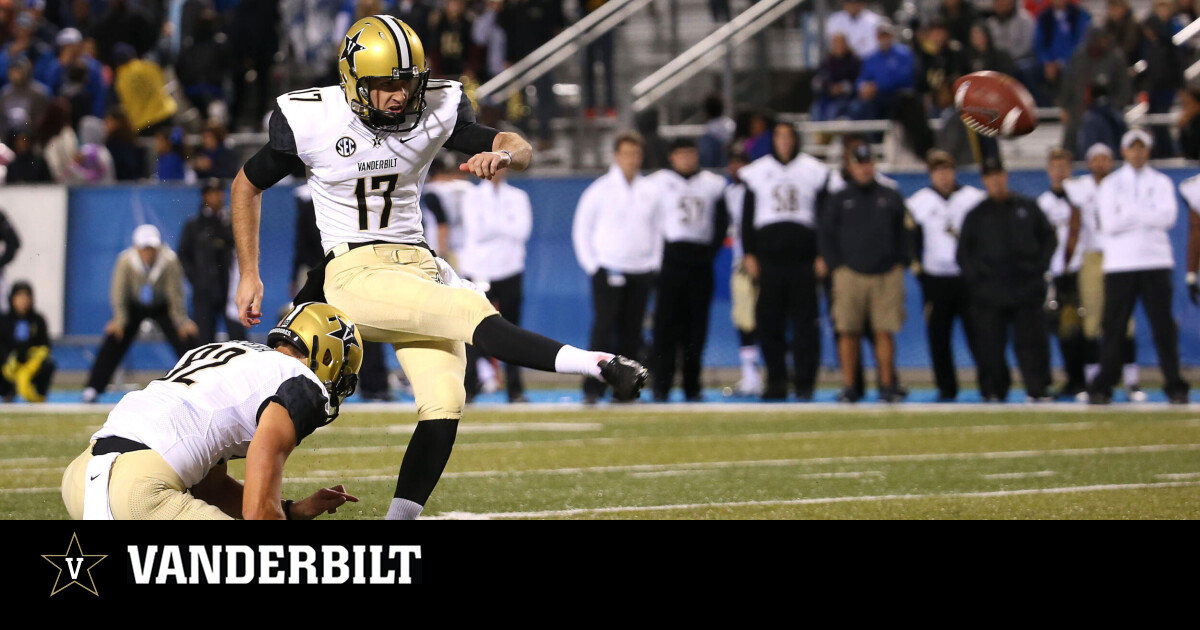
(345, 146)
(74, 567)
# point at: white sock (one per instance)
(749, 357)
(572, 360)
(1129, 375)
(403, 510)
(1090, 371)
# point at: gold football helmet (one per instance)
(382, 47)
(330, 341)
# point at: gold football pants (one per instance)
(141, 486)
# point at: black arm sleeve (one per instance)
(278, 158)
(305, 402)
(749, 237)
(720, 226)
(469, 136)
(434, 203)
(11, 242)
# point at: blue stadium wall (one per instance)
(557, 298)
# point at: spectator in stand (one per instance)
(1102, 123)
(1122, 28)
(129, 161)
(25, 44)
(27, 166)
(452, 53)
(1189, 123)
(758, 135)
(24, 349)
(83, 17)
(204, 62)
(254, 40)
(147, 283)
(599, 51)
(939, 57)
(93, 164)
(982, 53)
(528, 24)
(958, 16)
(1012, 30)
(834, 81)
(172, 155)
(8, 13)
(488, 35)
(1098, 77)
(127, 24)
(1061, 29)
(141, 87)
(1137, 209)
(214, 158)
(23, 100)
(718, 133)
(1164, 72)
(206, 251)
(885, 74)
(1004, 250)
(77, 76)
(415, 13)
(864, 242)
(857, 24)
(58, 140)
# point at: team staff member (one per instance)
(206, 250)
(1064, 270)
(690, 206)
(24, 348)
(865, 244)
(1137, 209)
(497, 220)
(618, 243)
(937, 213)
(1082, 193)
(147, 283)
(779, 235)
(1190, 190)
(1004, 251)
(743, 290)
(163, 452)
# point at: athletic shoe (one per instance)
(1178, 398)
(1045, 398)
(1099, 398)
(1136, 394)
(695, 399)
(775, 394)
(892, 395)
(90, 395)
(590, 399)
(626, 376)
(849, 395)
(519, 398)
(804, 396)
(749, 386)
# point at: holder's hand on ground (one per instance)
(485, 165)
(249, 300)
(323, 501)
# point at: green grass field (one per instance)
(726, 462)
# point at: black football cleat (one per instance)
(626, 376)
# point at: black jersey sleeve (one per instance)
(278, 158)
(305, 402)
(469, 136)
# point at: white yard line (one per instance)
(31, 471)
(1178, 476)
(28, 490)
(814, 501)
(1021, 475)
(468, 428)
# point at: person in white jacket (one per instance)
(618, 243)
(1137, 209)
(497, 220)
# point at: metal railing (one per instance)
(558, 49)
(708, 50)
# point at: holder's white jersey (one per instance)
(206, 410)
(686, 206)
(366, 184)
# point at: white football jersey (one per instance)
(785, 192)
(206, 409)
(1190, 190)
(686, 207)
(941, 221)
(365, 184)
(1057, 209)
(450, 193)
(837, 182)
(1082, 193)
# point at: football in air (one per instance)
(995, 104)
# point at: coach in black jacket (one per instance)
(1004, 251)
(206, 252)
(864, 242)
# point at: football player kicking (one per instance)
(164, 451)
(368, 145)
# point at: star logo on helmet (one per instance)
(344, 333)
(350, 49)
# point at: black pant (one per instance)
(1068, 327)
(945, 299)
(1121, 290)
(788, 294)
(373, 375)
(1030, 342)
(113, 350)
(681, 323)
(618, 314)
(506, 295)
(206, 310)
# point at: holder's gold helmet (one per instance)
(382, 47)
(330, 341)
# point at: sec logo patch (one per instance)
(345, 146)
